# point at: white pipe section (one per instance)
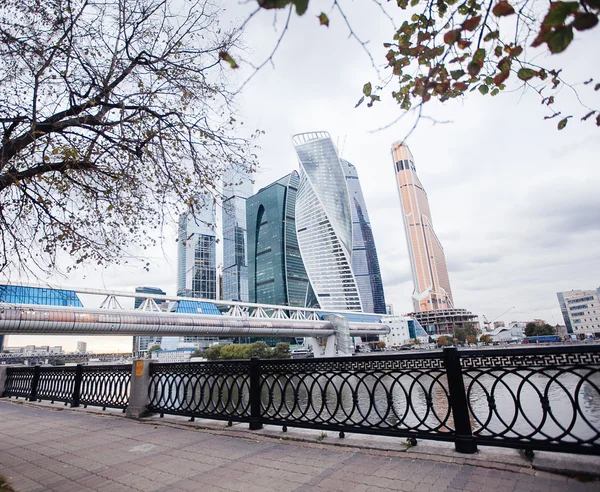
(27, 319)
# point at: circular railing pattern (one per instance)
(106, 386)
(208, 390)
(56, 384)
(387, 396)
(534, 400)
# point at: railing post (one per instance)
(464, 442)
(77, 385)
(255, 421)
(138, 390)
(34, 383)
(3, 376)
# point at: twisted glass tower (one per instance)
(365, 263)
(324, 223)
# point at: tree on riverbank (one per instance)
(115, 117)
(446, 49)
(535, 330)
(240, 351)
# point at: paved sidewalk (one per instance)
(42, 449)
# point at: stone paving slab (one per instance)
(48, 450)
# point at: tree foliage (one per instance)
(114, 117)
(485, 339)
(445, 341)
(464, 332)
(445, 49)
(536, 330)
(238, 351)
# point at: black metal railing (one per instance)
(529, 398)
(104, 386)
(216, 390)
(533, 398)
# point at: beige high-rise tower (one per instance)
(427, 260)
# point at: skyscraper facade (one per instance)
(365, 263)
(197, 265)
(428, 263)
(324, 223)
(237, 187)
(141, 344)
(276, 273)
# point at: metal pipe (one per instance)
(22, 319)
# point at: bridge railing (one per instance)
(528, 398)
(104, 386)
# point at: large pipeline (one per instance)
(25, 319)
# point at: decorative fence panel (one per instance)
(56, 384)
(216, 390)
(104, 386)
(543, 398)
(376, 395)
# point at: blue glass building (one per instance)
(276, 273)
(37, 295)
(365, 263)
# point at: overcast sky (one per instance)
(515, 203)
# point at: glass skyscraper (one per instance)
(276, 273)
(237, 187)
(197, 265)
(324, 223)
(142, 344)
(365, 263)
(428, 262)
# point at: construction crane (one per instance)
(488, 323)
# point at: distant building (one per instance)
(141, 344)
(444, 321)
(276, 273)
(403, 329)
(37, 295)
(581, 312)
(82, 347)
(237, 187)
(428, 263)
(365, 263)
(197, 266)
(389, 309)
(177, 355)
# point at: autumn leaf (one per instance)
(585, 21)
(526, 73)
(323, 19)
(562, 123)
(560, 39)
(502, 9)
(452, 37)
(223, 55)
(472, 23)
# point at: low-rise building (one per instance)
(581, 312)
(403, 329)
(177, 355)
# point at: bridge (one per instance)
(203, 317)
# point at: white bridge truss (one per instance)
(236, 318)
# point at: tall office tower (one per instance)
(141, 344)
(197, 266)
(428, 263)
(237, 187)
(276, 273)
(365, 263)
(324, 223)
